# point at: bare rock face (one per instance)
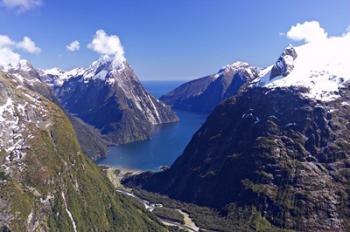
(284, 64)
(204, 94)
(275, 150)
(110, 97)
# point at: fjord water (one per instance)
(167, 142)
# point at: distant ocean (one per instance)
(167, 143)
(159, 88)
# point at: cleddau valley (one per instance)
(261, 145)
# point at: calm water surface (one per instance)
(167, 142)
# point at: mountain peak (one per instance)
(110, 62)
(101, 68)
(56, 76)
(322, 67)
(54, 71)
(234, 66)
(19, 66)
(238, 66)
(285, 63)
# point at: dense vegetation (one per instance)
(59, 187)
(274, 154)
(169, 214)
(235, 219)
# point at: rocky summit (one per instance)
(108, 96)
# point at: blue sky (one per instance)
(167, 39)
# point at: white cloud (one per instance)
(347, 32)
(107, 45)
(21, 5)
(308, 31)
(8, 56)
(28, 45)
(5, 41)
(73, 46)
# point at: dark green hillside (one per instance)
(54, 187)
(275, 151)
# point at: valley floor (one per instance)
(168, 216)
(182, 216)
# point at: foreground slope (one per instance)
(204, 94)
(25, 75)
(281, 147)
(109, 96)
(46, 183)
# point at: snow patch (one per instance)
(56, 76)
(69, 213)
(15, 114)
(157, 119)
(7, 107)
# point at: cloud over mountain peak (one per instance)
(105, 44)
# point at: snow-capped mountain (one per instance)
(109, 96)
(322, 67)
(203, 94)
(281, 146)
(56, 76)
(101, 69)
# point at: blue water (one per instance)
(167, 142)
(158, 88)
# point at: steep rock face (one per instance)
(46, 183)
(284, 64)
(109, 97)
(204, 94)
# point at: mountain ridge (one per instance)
(310, 65)
(203, 94)
(280, 145)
